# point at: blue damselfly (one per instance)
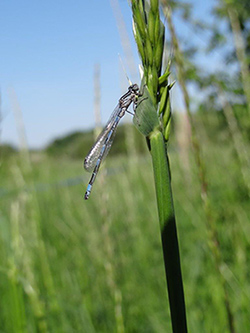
(105, 139)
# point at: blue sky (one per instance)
(48, 53)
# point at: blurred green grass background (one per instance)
(69, 265)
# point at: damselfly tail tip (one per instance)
(86, 196)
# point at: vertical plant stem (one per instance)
(130, 62)
(240, 52)
(33, 225)
(1, 119)
(19, 320)
(97, 100)
(106, 237)
(238, 139)
(153, 119)
(210, 223)
(168, 231)
(124, 37)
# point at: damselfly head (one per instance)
(134, 87)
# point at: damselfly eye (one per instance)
(135, 87)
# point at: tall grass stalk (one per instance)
(124, 37)
(16, 299)
(213, 242)
(237, 137)
(184, 144)
(105, 230)
(240, 49)
(29, 228)
(97, 100)
(153, 118)
(129, 58)
(1, 119)
(25, 254)
(23, 145)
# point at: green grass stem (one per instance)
(152, 119)
(240, 49)
(208, 208)
(168, 231)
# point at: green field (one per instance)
(69, 265)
